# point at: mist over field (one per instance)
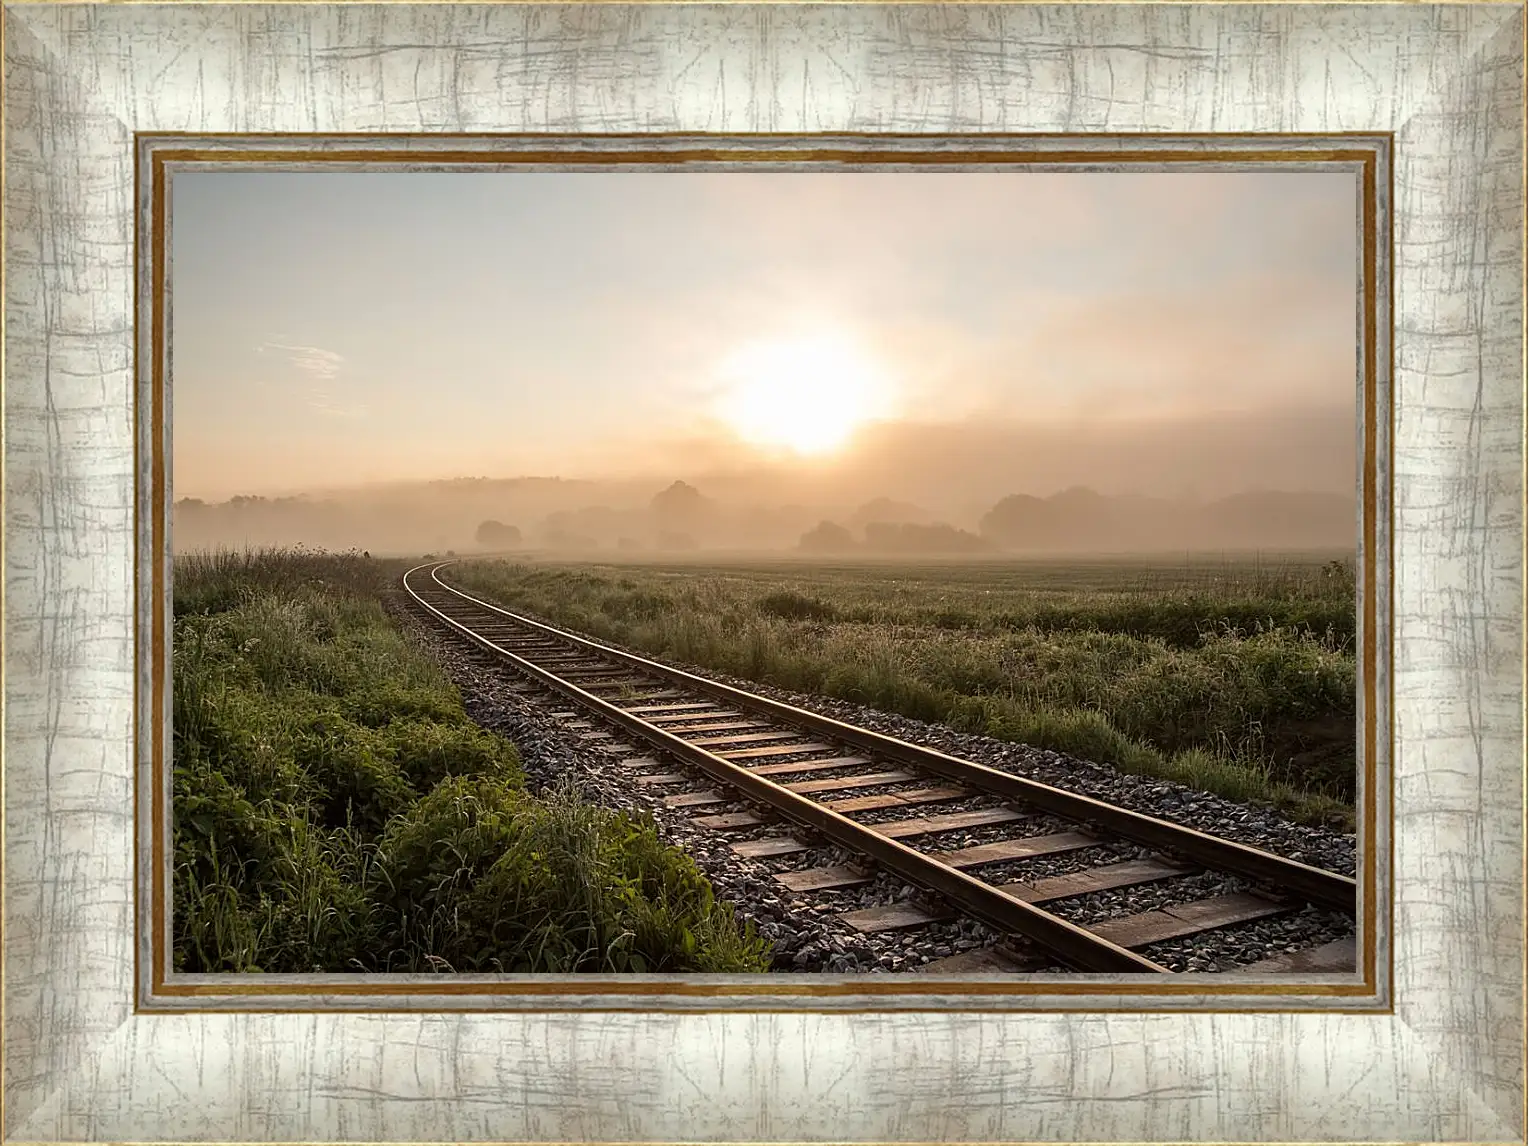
(1233, 483)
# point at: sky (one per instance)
(333, 329)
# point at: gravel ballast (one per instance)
(804, 928)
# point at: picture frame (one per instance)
(1437, 1055)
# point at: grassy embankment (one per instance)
(1235, 677)
(336, 810)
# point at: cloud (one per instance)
(311, 360)
(323, 367)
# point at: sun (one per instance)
(807, 395)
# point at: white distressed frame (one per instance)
(80, 1063)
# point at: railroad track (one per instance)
(880, 799)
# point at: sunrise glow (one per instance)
(808, 395)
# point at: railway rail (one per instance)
(814, 776)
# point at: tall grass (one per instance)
(1237, 679)
(336, 810)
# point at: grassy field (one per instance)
(336, 810)
(1235, 676)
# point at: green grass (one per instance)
(1237, 677)
(336, 810)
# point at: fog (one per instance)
(1266, 482)
(388, 362)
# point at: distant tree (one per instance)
(1081, 520)
(908, 538)
(827, 537)
(497, 535)
(884, 509)
(680, 499)
(682, 509)
(1076, 497)
(1019, 521)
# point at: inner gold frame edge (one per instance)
(957, 152)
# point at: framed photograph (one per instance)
(740, 573)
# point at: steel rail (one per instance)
(1072, 944)
(1312, 883)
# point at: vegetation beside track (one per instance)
(336, 810)
(1234, 676)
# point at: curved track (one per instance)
(824, 777)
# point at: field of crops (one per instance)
(1235, 676)
(336, 810)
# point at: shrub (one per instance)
(429, 751)
(486, 879)
(352, 767)
(790, 605)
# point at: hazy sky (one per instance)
(331, 329)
